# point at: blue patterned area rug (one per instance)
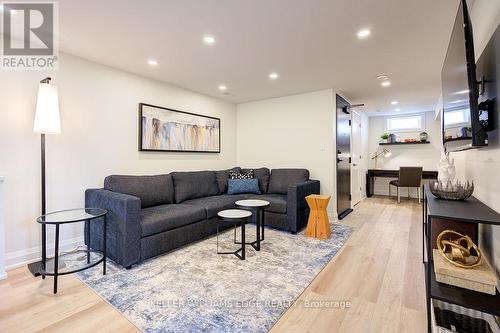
(193, 289)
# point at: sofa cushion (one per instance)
(262, 174)
(241, 186)
(248, 174)
(213, 205)
(152, 190)
(282, 178)
(222, 176)
(195, 184)
(167, 217)
(277, 202)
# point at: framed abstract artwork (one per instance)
(163, 129)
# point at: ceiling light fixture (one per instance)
(386, 83)
(222, 87)
(363, 33)
(273, 76)
(152, 62)
(209, 40)
(394, 102)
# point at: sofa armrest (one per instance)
(297, 210)
(123, 240)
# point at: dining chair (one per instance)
(408, 177)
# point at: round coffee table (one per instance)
(234, 216)
(66, 217)
(257, 206)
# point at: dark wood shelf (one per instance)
(457, 139)
(471, 210)
(464, 297)
(404, 143)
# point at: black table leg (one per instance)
(104, 245)
(243, 240)
(56, 259)
(262, 222)
(87, 235)
(44, 250)
(258, 223)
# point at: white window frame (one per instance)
(403, 130)
(466, 112)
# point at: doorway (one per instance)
(356, 165)
(343, 157)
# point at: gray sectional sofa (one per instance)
(151, 215)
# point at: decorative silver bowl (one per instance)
(449, 191)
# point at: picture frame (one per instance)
(164, 129)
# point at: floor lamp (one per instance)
(47, 121)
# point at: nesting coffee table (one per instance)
(234, 216)
(255, 206)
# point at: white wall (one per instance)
(292, 131)
(482, 165)
(3, 275)
(99, 115)
(426, 155)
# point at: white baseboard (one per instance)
(24, 257)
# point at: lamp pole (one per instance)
(44, 123)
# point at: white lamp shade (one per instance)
(47, 110)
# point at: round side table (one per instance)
(234, 216)
(257, 206)
(66, 217)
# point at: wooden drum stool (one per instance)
(318, 225)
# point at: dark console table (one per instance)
(372, 173)
(470, 211)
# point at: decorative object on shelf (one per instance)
(409, 140)
(446, 169)
(424, 136)
(47, 121)
(465, 132)
(480, 278)
(163, 129)
(458, 249)
(393, 138)
(384, 137)
(450, 191)
(385, 152)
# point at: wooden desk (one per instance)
(372, 173)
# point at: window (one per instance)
(456, 117)
(409, 123)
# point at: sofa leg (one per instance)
(128, 267)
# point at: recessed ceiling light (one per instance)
(386, 83)
(209, 40)
(273, 76)
(458, 101)
(394, 102)
(363, 33)
(461, 92)
(152, 62)
(222, 87)
(397, 109)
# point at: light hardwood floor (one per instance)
(379, 272)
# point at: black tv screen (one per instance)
(461, 127)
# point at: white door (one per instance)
(356, 180)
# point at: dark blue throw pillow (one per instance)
(239, 186)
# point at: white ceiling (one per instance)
(312, 44)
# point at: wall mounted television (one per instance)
(461, 123)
